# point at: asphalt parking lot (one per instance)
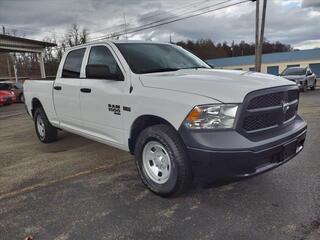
(79, 189)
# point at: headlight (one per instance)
(213, 116)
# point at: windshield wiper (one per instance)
(160, 70)
(195, 67)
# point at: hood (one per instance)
(5, 93)
(228, 86)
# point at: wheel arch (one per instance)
(35, 103)
(142, 122)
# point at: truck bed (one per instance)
(40, 89)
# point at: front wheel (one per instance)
(304, 87)
(313, 87)
(162, 162)
(45, 131)
(21, 98)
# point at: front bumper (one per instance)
(298, 82)
(221, 154)
(7, 101)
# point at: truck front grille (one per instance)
(268, 109)
(271, 99)
(259, 121)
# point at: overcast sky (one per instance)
(296, 22)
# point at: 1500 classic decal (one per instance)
(114, 108)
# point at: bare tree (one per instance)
(76, 36)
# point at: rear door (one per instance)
(66, 90)
(102, 102)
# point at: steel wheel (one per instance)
(40, 127)
(156, 162)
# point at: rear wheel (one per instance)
(45, 131)
(305, 86)
(313, 87)
(162, 162)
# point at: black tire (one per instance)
(21, 98)
(313, 87)
(304, 87)
(180, 177)
(50, 133)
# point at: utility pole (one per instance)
(257, 36)
(259, 33)
(8, 55)
(263, 20)
(8, 66)
(125, 25)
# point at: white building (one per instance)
(273, 63)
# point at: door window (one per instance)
(72, 64)
(315, 69)
(101, 55)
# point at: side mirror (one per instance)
(100, 71)
(309, 73)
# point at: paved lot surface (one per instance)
(79, 189)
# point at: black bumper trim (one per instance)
(246, 163)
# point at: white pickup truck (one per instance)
(178, 116)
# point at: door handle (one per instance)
(85, 90)
(57, 88)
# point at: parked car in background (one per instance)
(304, 77)
(6, 97)
(17, 88)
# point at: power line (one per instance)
(177, 16)
(153, 16)
(170, 20)
(166, 13)
(188, 12)
(24, 29)
(108, 28)
(165, 19)
(144, 27)
(184, 8)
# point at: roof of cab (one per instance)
(114, 42)
(137, 41)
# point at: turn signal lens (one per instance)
(194, 115)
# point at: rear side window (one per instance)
(101, 55)
(72, 64)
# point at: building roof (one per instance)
(18, 44)
(309, 54)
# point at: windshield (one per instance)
(5, 86)
(18, 85)
(294, 71)
(152, 57)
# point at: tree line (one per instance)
(208, 49)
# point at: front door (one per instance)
(101, 100)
